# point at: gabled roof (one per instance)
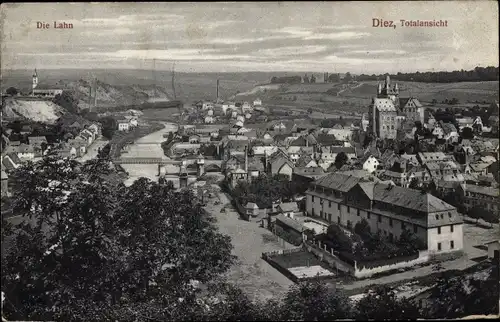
(325, 139)
(295, 225)
(338, 182)
(288, 206)
(384, 104)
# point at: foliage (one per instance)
(286, 80)
(478, 212)
(478, 74)
(458, 296)
(347, 77)
(382, 304)
(108, 126)
(265, 190)
(467, 133)
(362, 228)
(314, 302)
(94, 251)
(340, 160)
(12, 91)
(67, 101)
(338, 239)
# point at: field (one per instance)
(426, 92)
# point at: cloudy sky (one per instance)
(231, 37)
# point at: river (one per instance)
(148, 146)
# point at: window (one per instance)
(402, 225)
(321, 214)
(390, 222)
(379, 218)
(439, 246)
(391, 237)
(415, 229)
(437, 217)
(439, 230)
(338, 206)
(348, 209)
(312, 198)
(449, 214)
(329, 204)
(338, 220)
(452, 244)
(329, 217)
(368, 215)
(358, 212)
(451, 228)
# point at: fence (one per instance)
(363, 269)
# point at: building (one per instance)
(42, 92)
(257, 102)
(371, 164)
(5, 183)
(383, 115)
(123, 125)
(412, 109)
(494, 249)
(346, 200)
(479, 196)
(288, 209)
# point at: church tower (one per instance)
(35, 83)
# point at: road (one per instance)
(251, 273)
(92, 150)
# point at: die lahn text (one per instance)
(377, 22)
(56, 25)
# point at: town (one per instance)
(161, 194)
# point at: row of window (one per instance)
(451, 229)
(452, 245)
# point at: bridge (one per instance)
(131, 160)
(161, 161)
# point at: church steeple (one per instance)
(34, 83)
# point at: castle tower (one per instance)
(35, 83)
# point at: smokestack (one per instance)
(95, 94)
(246, 160)
(90, 97)
(217, 90)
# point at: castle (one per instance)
(388, 111)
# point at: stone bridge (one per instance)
(162, 161)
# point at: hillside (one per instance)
(35, 110)
(426, 92)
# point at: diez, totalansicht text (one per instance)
(56, 25)
(377, 22)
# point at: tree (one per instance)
(108, 127)
(12, 91)
(94, 250)
(347, 77)
(309, 110)
(306, 79)
(382, 304)
(340, 160)
(362, 228)
(338, 238)
(314, 302)
(313, 79)
(67, 101)
(409, 242)
(467, 133)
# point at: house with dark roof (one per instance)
(281, 164)
(479, 196)
(388, 209)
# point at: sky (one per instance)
(251, 36)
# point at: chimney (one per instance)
(217, 90)
(246, 160)
(95, 94)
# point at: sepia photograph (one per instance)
(250, 161)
